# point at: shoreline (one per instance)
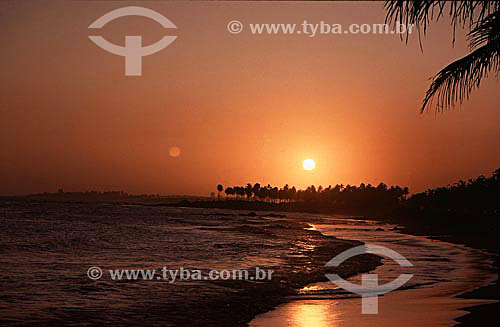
(246, 306)
(482, 314)
(468, 313)
(303, 267)
(475, 314)
(298, 256)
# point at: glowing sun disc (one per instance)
(308, 164)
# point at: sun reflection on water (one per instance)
(312, 314)
(310, 289)
(311, 227)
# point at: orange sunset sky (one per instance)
(242, 108)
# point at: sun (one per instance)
(308, 164)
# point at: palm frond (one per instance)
(422, 12)
(455, 82)
(485, 31)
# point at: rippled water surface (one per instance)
(46, 249)
(441, 271)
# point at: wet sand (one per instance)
(442, 271)
(411, 309)
(47, 248)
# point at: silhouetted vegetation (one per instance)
(340, 196)
(477, 195)
(455, 82)
(466, 211)
(108, 196)
(219, 189)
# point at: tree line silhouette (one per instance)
(468, 211)
(479, 195)
(339, 195)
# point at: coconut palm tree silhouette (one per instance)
(219, 189)
(455, 82)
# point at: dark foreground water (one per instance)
(47, 248)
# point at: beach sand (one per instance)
(443, 272)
